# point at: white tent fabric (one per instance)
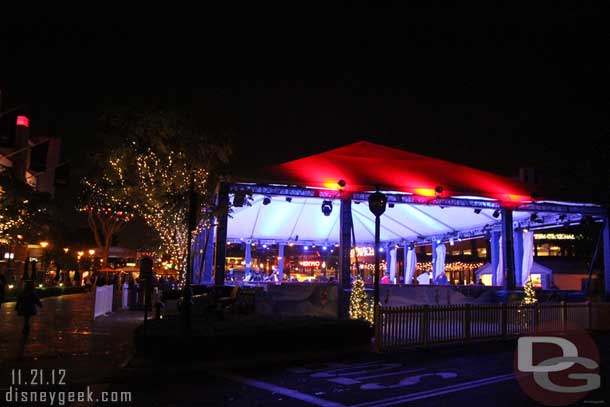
(537, 268)
(500, 270)
(282, 221)
(424, 279)
(439, 265)
(392, 265)
(528, 256)
(410, 265)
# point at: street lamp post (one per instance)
(92, 262)
(377, 204)
(79, 255)
(44, 245)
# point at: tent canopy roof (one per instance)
(275, 217)
(362, 165)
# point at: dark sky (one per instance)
(493, 88)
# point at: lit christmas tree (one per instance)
(530, 294)
(360, 307)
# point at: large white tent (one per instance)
(430, 201)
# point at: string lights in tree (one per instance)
(23, 211)
(165, 150)
(107, 210)
(160, 197)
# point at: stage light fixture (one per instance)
(341, 184)
(239, 199)
(391, 205)
(327, 207)
(477, 211)
(305, 247)
(438, 190)
(266, 200)
(451, 242)
(496, 213)
(288, 199)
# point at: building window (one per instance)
(546, 249)
(486, 279)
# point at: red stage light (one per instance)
(23, 121)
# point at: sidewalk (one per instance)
(63, 336)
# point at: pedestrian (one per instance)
(26, 305)
(2, 288)
(386, 278)
(157, 301)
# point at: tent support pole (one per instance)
(344, 255)
(508, 256)
(221, 234)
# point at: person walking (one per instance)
(26, 305)
(157, 302)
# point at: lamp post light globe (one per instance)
(44, 244)
(91, 252)
(377, 203)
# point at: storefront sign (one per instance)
(310, 263)
(554, 236)
(362, 252)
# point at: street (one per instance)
(478, 375)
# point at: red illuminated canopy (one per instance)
(363, 165)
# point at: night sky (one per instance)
(494, 88)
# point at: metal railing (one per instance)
(422, 325)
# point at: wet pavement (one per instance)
(64, 336)
(65, 341)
